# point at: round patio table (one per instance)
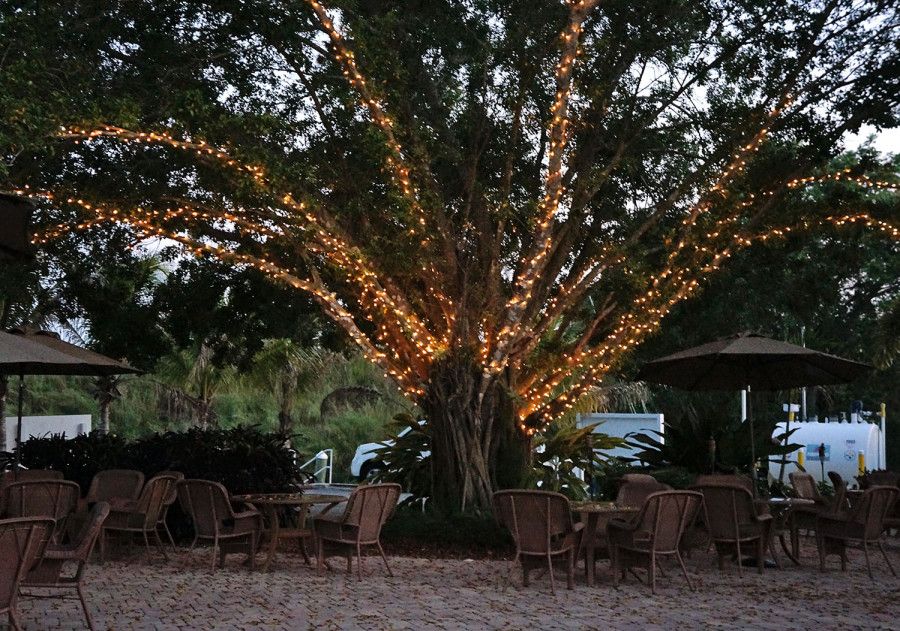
(596, 517)
(268, 503)
(781, 508)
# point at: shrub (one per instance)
(244, 459)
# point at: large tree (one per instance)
(496, 200)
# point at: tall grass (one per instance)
(141, 410)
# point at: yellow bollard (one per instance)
(862, 462)
(801, 458)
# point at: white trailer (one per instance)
(623, 426)
(844, 445)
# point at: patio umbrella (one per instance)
(749, 361)
(25, 352)
(14, 215)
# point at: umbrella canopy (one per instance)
(44, 353)
(14, 215)
(21, 356)
(750, 361)
(24, 352)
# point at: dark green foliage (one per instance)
(78, 458)
(606, 478)
(564, 452)
(709, 444)
(470, 535)
(244, 459)
(404, 458)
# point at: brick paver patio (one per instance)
(444, 594)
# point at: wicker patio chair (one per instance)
(117, 487)
(48, 574)
(167, 504)
(883, 478)
(56, 499)
(636, 488)
(140, 516)
(734, 524)
(655, 531)
(725, 479)
(208, 504)
(863, 523)
(27, 475)
(839, 503)
(369, 506)
(541, 526)
(22, 540)
(803, 517)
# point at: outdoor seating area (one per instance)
(642, 542)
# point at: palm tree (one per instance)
(193, 379)
(285, 369)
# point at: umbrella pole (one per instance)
(19, 425)
(752, 443)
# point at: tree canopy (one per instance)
(496, 200)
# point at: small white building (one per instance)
(70, 424)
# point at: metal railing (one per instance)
(321, 465)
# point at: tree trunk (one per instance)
(4, 389)
(103, 421)
(285, 422)
(475, 445)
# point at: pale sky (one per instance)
(887, 141)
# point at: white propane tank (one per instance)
(843, 443)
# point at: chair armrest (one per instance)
(250, 512)
(578, 526)
(60, 552)
(328, 527)
(247, 521)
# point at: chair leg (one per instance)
(87, 614)
(552, 581)
(886, 559)
(388, 567)
(188, 555)
(614, 563)
(651, 572)
(159, 544)
(865, 547)
(740, 564)
(320, 555)
(14, 620)
(512, 567)
(215, 552)
(570, 583)
(302, 542)
(359, 562)
(252, 555)
(169, 536)
(760, 554)
(147, 547)
(684, 570)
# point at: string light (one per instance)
(406, 335)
